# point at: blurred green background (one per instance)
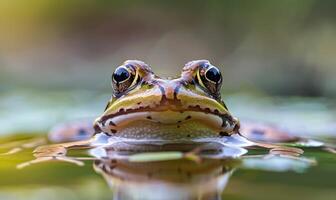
(278, 47)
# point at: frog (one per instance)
(163, 112)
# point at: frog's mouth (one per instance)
(166, 119)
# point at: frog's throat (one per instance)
(168, 118)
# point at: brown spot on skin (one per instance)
(113, 131)
(178, 126)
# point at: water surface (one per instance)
(247, 178)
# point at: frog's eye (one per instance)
(209, 77)
(123, 78)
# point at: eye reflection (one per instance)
(121, 74)
(213, 74)
(209, 78)
(122, 79)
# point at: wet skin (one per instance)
(145, 106)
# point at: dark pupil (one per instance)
(120, 74)
(213, 74)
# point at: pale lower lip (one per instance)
(169, 117)
(163, 117)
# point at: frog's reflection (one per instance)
(175, 179)
(168, 179)
(178, 176)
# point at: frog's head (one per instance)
(144, 105)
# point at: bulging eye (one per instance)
(213, 74)
(121, 74)
(209, 77)
(123, 78)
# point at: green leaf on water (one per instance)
(156, 156)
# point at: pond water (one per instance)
(177, 177)
(247, 178)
